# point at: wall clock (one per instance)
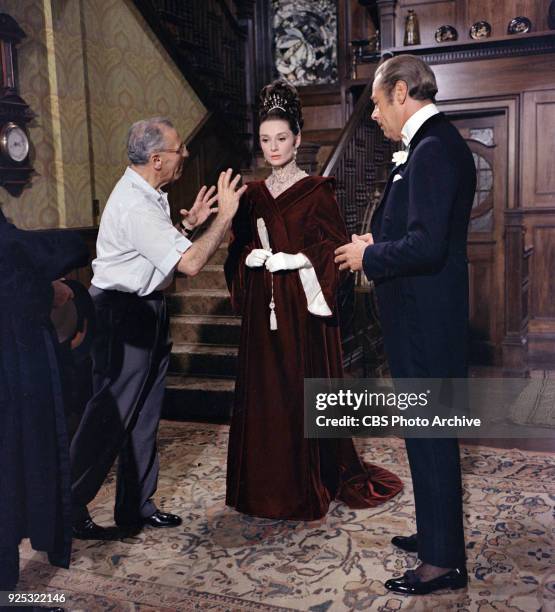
(16, 169)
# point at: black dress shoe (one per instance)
(408, 543)
(89, 530)
(163, 519)
(410, 583)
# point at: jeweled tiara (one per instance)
(275, 101)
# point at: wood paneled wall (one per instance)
(461, 14)
(538, 141)
(538, 203)
(431, 15)
(530, 83)
(513, 75)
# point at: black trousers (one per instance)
(9, 567)
(436, 478)
(130, 360)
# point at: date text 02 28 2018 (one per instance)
(16, 599)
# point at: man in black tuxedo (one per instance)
(416, 256)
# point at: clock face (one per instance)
(14, 142)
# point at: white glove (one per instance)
(286, 261)
(257, 257)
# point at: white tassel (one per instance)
(265, 241)
(273, 318)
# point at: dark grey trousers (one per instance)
(130, 360)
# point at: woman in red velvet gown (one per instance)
(283, 281)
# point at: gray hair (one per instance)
(146, 137)
(418, 76)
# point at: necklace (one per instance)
(282, 178)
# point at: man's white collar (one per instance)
(414, 123)
(138, 180)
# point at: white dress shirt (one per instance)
(137, 247)
(414, 123)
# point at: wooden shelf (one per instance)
(533, 43)
(470, 42)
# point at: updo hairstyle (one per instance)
(280, 100)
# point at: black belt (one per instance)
(126, 295)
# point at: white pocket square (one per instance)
(397, 177)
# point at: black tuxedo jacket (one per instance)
(418, 261)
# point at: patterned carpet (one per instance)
(220, 560)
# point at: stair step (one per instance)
(203, 359)
(210, 277)
(179, 382)
(258, 174)
(220, 254)
(205, 329)
(199, 302)
(322, 137)
(194, 397)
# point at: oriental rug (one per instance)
(220, 560)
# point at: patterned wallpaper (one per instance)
(36, 207)
(88, 69)
(131, 77)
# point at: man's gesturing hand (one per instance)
(228, 194)
(201, 209)
(349, 256)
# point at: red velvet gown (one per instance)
(273, 470)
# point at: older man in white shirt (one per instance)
(138, 250)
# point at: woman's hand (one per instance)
(287, 261)
(257, 257)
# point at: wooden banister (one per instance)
(361, 107)
(359, 163)
(209, 46)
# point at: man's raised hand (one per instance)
(228, 194)
(201, 209)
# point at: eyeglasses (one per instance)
(179, 150)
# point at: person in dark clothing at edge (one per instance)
(35, 487)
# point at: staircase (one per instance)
(205, 335)
(217, 44)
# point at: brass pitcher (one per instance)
(412, 29)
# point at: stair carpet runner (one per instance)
(205, 334)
